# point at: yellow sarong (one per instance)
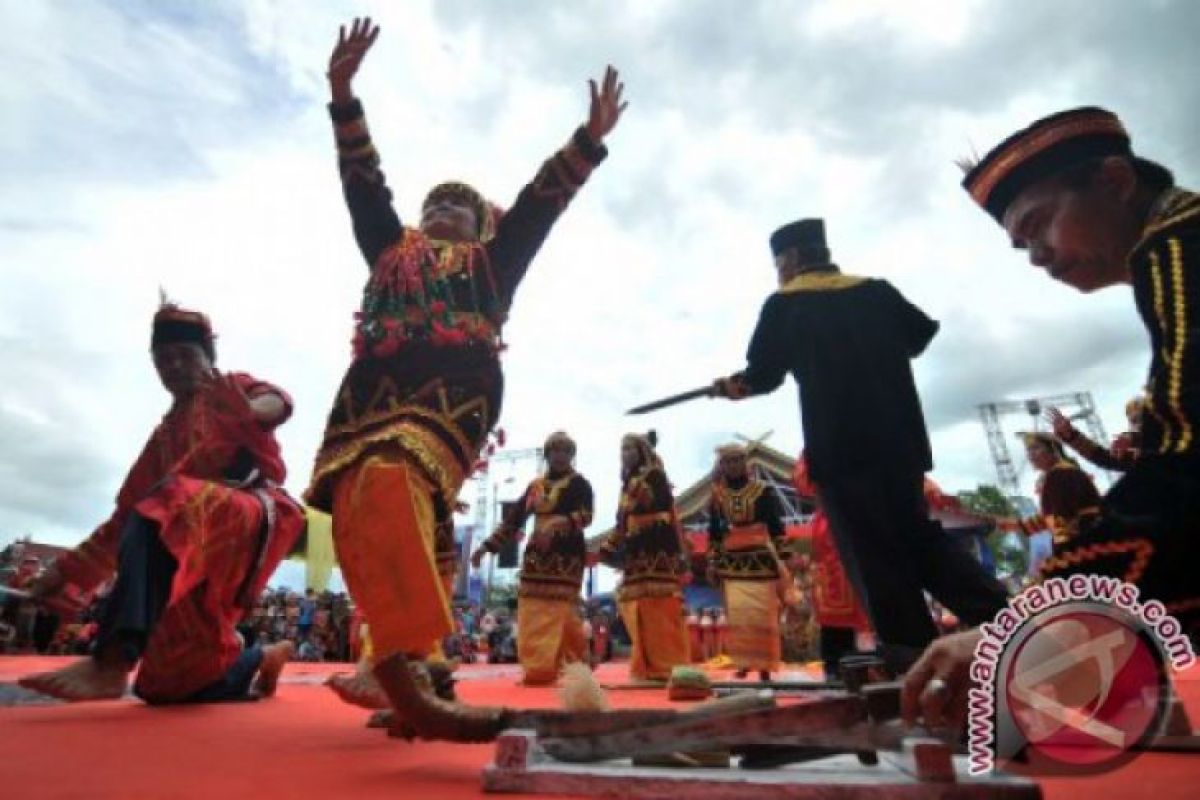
(752, 638)
(548, 636)
(658, 635)
(383, 530)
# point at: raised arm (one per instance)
(376, 225)
(1091, 450)
(524, 228)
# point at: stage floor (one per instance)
(304, 743)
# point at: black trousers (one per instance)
(893, 553)
(145, 572)
(835, 643)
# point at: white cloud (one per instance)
(193, 152)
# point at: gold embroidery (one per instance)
(738, 506)
(820, 282)
(547, 492)
(1180, 206)
(1175, 379)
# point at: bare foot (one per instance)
(275, 656)
(381, 718)
(359, 689)
(86, 679)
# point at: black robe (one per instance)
(847, 341)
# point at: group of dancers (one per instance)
(201, 521)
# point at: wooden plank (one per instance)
(835, 778)
(805, 723)
(568, 724)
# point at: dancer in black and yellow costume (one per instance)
(746, 535)
(653, 562)
(549, 631)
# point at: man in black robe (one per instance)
(847, 341)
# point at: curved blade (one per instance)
(675, 399)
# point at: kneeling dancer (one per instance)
(200, 524)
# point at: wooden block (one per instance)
(516, 750)
(927, 760)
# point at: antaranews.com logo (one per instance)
(1072, 678)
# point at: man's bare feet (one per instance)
(275, 656)
(359, 689)
(86, 679)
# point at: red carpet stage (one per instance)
(305, 743)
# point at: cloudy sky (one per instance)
(186, 145)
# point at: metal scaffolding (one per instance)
(1076, 406)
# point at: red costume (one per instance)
(834, 601)
(209, 478)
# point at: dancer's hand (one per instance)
(348, 54)
(731, 388)
(607, 106)
(1123, 446)
(477, 557)
(1062, 426)
(936, 687)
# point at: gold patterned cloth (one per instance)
(384, 527)
(552, 567)
(752, 639)
(549, 635)
(658, 636)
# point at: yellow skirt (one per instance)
(383, 530)
(658, 635)
(548, 635)
(752, 639)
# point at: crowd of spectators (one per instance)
(322, 625)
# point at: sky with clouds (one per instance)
(186, 145)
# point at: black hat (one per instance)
(807, 236)
(1048, 146)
